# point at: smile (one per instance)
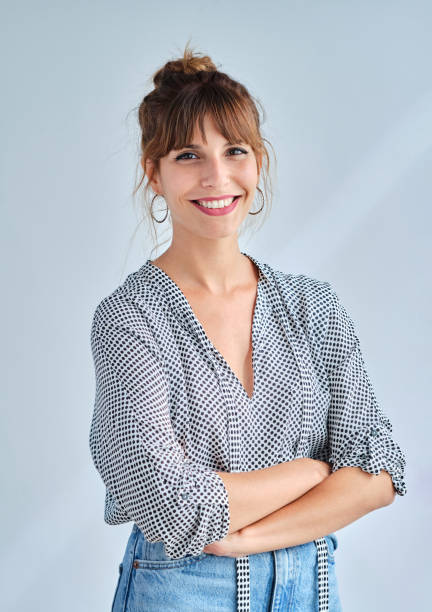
(217, 208)
(215, 203)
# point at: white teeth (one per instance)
(216, 203)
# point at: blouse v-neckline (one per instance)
(183, 307)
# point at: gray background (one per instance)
(348, 96)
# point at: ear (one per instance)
(150, 170)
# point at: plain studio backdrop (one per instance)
(346, 87)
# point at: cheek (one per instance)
(249, 173)
(178, 187)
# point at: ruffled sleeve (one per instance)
(359, 432)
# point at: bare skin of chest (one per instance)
(228, 325)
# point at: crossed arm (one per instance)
(335, 501)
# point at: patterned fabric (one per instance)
(169, 411)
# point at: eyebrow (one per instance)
(197, 146)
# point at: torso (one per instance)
(227, 323)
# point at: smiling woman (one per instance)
(218, 179)
(234, 421)
(204, 148)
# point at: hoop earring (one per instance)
(151, 209)
(262, 206)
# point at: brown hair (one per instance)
(185, 90)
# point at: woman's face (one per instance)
(208, 171)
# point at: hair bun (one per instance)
(190, 63)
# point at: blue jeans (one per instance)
(284, 579)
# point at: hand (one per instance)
(229, 546)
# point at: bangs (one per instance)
(187, 111)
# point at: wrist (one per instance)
(253, 539)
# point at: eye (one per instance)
(238, 149)
(182, 155)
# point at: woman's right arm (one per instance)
(173, 499)
(254, 495)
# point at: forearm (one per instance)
(340, 499)
(254, 495)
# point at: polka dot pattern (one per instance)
(169, 412)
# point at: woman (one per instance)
(229, 394)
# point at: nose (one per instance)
(214, 173)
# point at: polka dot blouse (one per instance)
(169, 412)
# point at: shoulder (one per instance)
(316, 305)
(129, 306)
(310, 300)
(302, 293)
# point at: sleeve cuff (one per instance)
(372, 449)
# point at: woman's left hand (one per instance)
(232, 545)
